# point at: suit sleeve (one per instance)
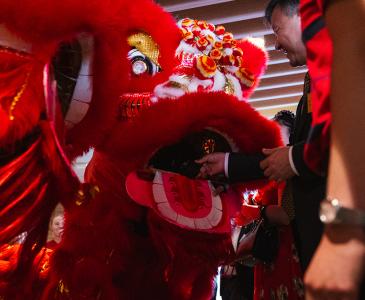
(243, 167)
(300, 164)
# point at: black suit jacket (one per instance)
(243, 167)
(308, 189)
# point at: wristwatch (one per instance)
(331, 212)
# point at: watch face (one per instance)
(328, 212)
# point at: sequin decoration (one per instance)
(18, 97)
(132, 104)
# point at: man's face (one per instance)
(289, 36)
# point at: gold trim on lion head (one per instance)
(146, 45)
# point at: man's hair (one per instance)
(285, 118)
(289, 7)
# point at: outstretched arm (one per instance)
(337, 267)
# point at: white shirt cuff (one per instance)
(226, 159)
(292, 162)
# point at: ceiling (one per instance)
(282, 85)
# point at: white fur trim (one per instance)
(162, 91)
(186, 48)
(258, 42)
(182, 79)
(231, 69)
(219, 81)
(209, 32)
(195, 83)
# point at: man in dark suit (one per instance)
(284, 163)
(287, 163)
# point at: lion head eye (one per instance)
(141, 64)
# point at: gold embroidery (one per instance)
(146, 45)
(208, 146)
(179, 85)
(228, 87)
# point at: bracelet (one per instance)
(332, 212)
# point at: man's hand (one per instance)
(212, 164)
(276, 165)
(336, 269)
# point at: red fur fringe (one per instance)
(255, 60)
(168, 121)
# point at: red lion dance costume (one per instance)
(114, 247)
(169, 243)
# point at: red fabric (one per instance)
(319, 60)
(189, 113)
(34, 178)
(8, 258)
(19, 77)
(283, 278)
